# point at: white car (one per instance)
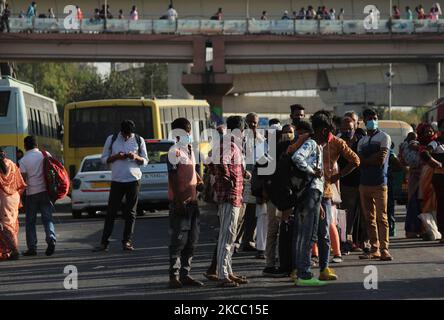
(90, 187)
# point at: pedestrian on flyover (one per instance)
(218, 15)
(126, 152)
(396, 13)
(37, 198)
(12, 186)
(408, 13)
(134, 15)
(32, 10)
(4, 18)
(183, 184)
(171, 13)
(285, 16)
(121, 17)
(264, 15)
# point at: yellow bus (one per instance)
(24, 112)
(89, 123)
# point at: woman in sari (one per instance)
(11, 187)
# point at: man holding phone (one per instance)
(125, 152)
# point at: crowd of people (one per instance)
(432, 15)
(329, 194)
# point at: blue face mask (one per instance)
(347, 134)
(372, 125)
(188, 139)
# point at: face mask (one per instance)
(347, 134)
(372, 125)
(188, 139)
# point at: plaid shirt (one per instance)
(231, 167)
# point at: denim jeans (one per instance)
(39, 202)
(184, 235)
(324, 234)
(305, 231)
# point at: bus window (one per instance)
(39, 124)
(34, 122)
(89, 127)
(174, 113)
(4, 103)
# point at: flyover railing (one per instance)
(226, 27)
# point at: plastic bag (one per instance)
(431, 229)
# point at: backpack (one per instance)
(136, 136)
(56, 178)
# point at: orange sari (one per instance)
(427, 193)
(11, 187)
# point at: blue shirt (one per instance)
(369, 145)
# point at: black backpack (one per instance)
(287, 184)
(136, 136)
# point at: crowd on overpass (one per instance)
(330, 193)
(305, 13)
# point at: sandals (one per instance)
(211, 276)
(238, 279)
(227, 283)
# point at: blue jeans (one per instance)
(412, 222)
(324, 234)
(39, 202)
(305, 231)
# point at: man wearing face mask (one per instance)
(183, 184)
(373, 151)
(125, 152)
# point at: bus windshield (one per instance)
(89, 127)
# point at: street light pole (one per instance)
(390, 90)
(439, 80)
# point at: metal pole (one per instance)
(152, 85)
(439, 80)
(247, 9)
(106, 12)
(390, 91)
(390, 9)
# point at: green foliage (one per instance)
(69, 82)
(416, 115)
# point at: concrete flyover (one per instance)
(237, 49)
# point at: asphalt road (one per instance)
(416, 273)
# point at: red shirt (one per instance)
(231, 167)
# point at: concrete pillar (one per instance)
(211, 83)
(175, 87)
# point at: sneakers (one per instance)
(127, 246)
(50, 249)
(337, 259)
(313, 282)
(328, 275)
(386, 256)
(274, 272)
(29, 253)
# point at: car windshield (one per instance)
(158, 152)
(93, 165)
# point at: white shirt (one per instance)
(32, 165)
(172, 14)
(125, 170)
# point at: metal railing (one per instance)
(227, 27)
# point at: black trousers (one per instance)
(285, 245)
(184, 232)
(118, 190)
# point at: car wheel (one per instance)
(76, 214)
(140, 212)
(92, 213)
